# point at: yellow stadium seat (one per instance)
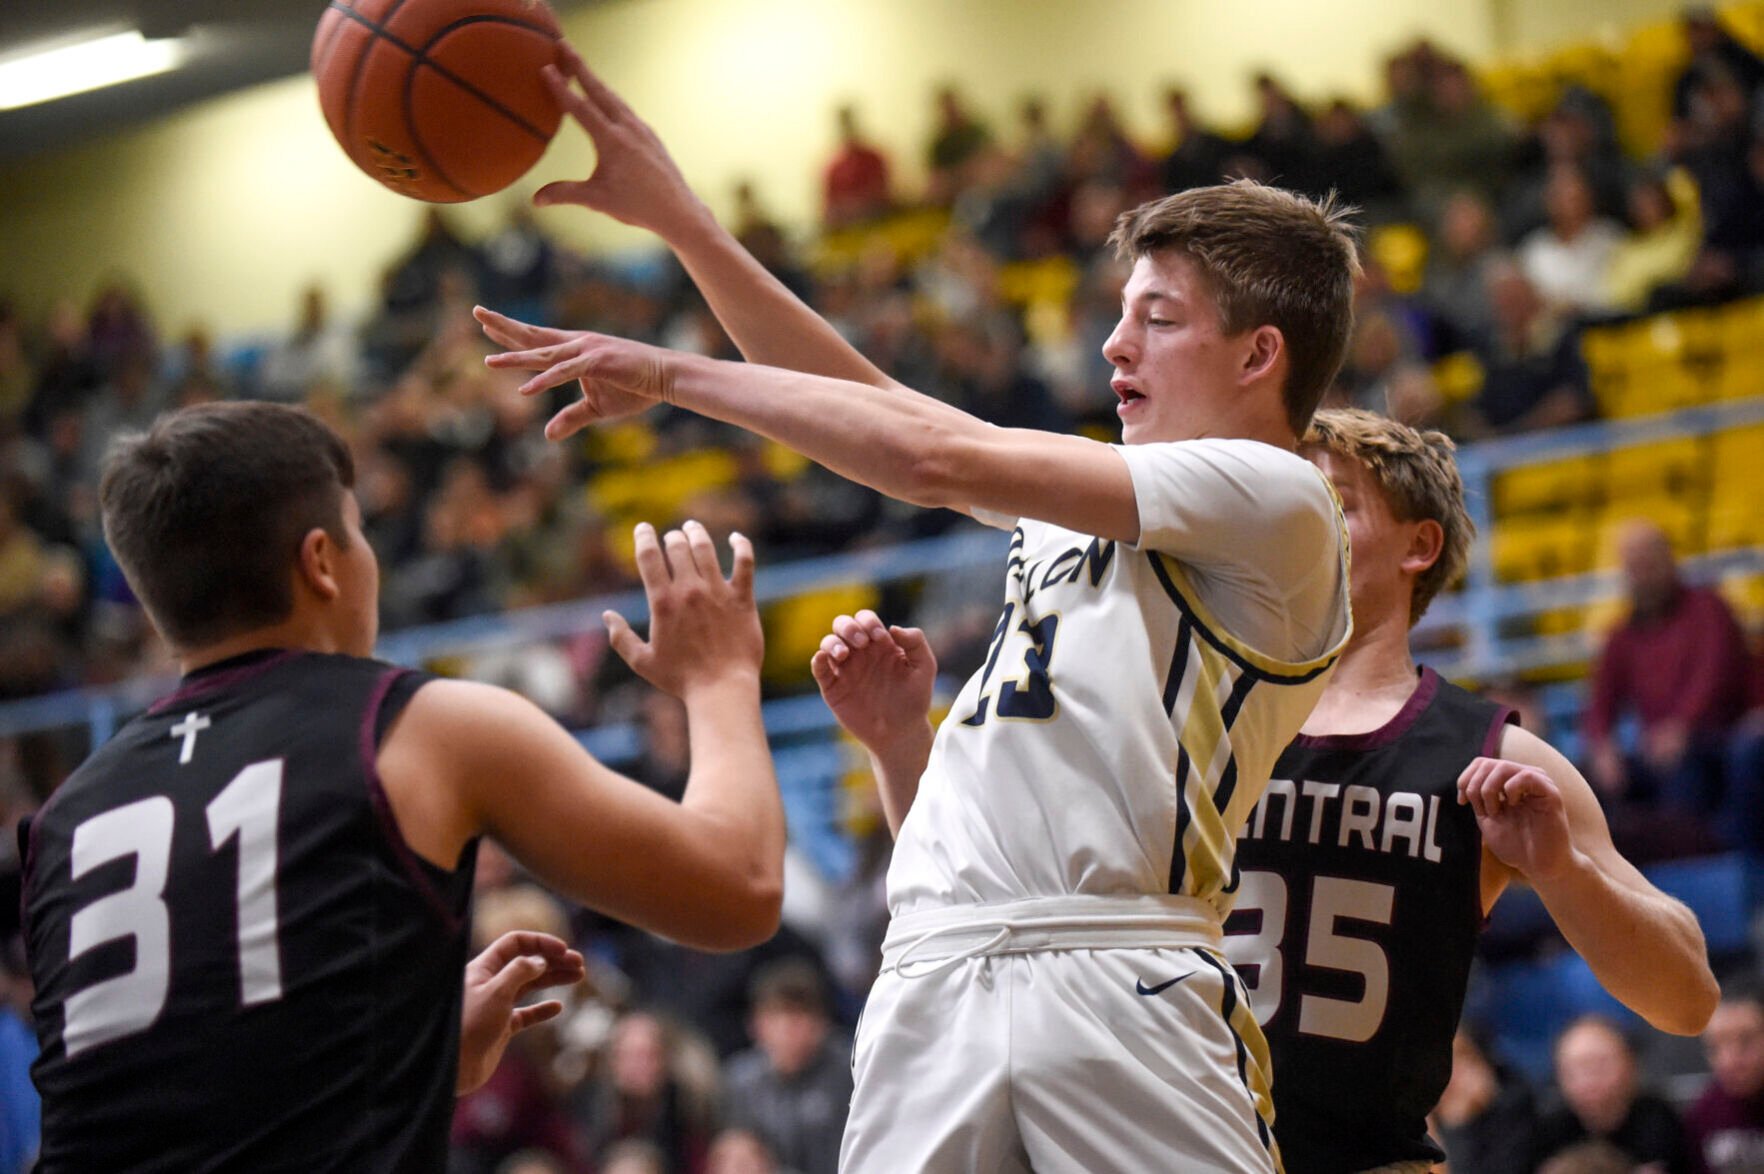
(1734, 525)
(1458, 377)
(1547, 488)
(1674, 469)
(1745, 594)
(1049, 281)
(1528, 549)
(795, 626)
(1401, 251)
(1737, 464)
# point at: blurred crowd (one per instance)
(991, 287)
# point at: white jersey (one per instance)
(1134, 698)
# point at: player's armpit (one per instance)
(1645, 947)
(707, 874)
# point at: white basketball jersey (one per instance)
(1120, 731)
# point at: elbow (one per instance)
(1690, 1010)
(748, 918)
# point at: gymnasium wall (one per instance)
(224, 212)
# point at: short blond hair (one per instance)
(1419, 478)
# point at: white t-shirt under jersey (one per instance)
(1134, 698)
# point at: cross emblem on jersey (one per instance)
(193, 724)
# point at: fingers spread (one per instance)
(741, 578)
(704, 550)
(652, 566)
(624, 641)
(570, 421)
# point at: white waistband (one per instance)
(946, 936)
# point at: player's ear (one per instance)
(316, 565)
(1266, 347)
(1426, 544)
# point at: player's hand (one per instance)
(877, 680)
(1521, 814)
(635, 180)
(495, 981)
(703, 628)
(618, 378)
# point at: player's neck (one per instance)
(1373, 680)
(292, 633)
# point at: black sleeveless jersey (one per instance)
(1356, 917)
(240, 964)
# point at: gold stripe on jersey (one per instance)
(1255, 1066)
(1213, 677)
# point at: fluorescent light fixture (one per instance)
(86, 65)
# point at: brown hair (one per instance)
(207, 509)
(1269, 257)
(1419, 478)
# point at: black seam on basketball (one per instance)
(416, 133)
(322, 56)
(348, 10)
(421, 58)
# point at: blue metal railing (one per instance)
(1477, 613)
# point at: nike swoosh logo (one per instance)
(1139, 985)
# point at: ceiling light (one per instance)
(87, 65)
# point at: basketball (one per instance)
(440, 100)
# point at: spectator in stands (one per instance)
(1725, 1126)
(1283, 142)
(1665, 232)
(1196, 155)
(1485, 1117)
(1579, 133)
(1461, 142)
(17, 378)
(792, 1089)
(958, 137)
(534, 1162)
(634, 1157)
(319, 351)
(1596, 1073)
(1455, 286)
(119, 331)
(1715, 144)
(1678, 663)
(1351, 160)
(658, 1085)
(1533, 373)
(738, 1151)
(1103, 150)
(1592, 1157)
(1568, 258)
(67, 375)
(1712, 47)
(518, 264)
(855, 185)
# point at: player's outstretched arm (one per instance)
(636, 181)
(896, 441)
(495, 981)
(877, 680)
(1540, 818)
(466, 758)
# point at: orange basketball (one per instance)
(440, 100)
